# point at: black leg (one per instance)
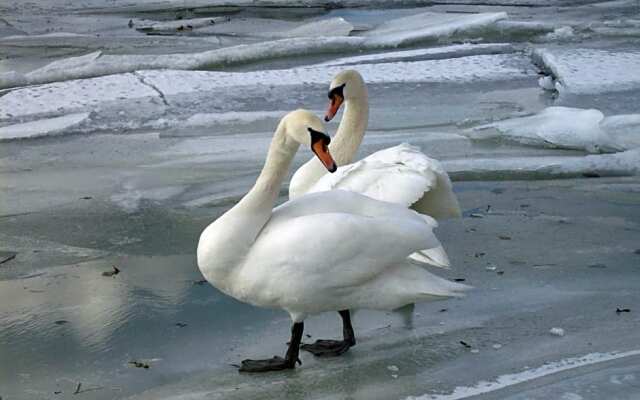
(332, 348)
(278, 363)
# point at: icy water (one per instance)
(126, 127)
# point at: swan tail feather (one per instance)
(436, 256)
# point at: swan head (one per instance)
(345, 86)
(307, 129)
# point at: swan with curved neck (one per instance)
(429, 190)
(402, 174)
(347, 88)
(328, 251)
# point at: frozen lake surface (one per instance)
(128, 126)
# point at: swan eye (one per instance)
(317, 136)
(337, 91)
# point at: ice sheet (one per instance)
(161, 85)
(113, 64)
(404, 31)
(427, 26)
(559, 127)
(590, 71)
(624, 129)
(42, 127)
(618, 164)
(456, 50)
(64, 97)
(463, 69)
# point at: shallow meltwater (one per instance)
(92, 326)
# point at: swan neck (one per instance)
(351, 130)
(267, 187)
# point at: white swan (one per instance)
(400, 174)
(326, 251)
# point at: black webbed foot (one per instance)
(278, 363)
(327, 348)
(272, 364)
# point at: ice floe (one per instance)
(316, 37)
(42, 127)
(624, 129)
(559, 127)
(589, 71)
(160, 86)
(65, 97)
(625, 163)
(463, 69)
(524, 28)
(427, 26)
(431, 53)
(114, 64)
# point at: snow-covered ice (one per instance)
(561, 127)
(618, 164)
(65, 97)
(42, 127)
(440, 52)
(160, 85)
(590, 71)
(392, 34)
(428, 26)
(145, 157)
(624, 129)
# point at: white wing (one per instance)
(401, 175)
(352, 245)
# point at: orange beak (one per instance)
(321, 150)
(334, 106)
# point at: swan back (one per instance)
(401, 175)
